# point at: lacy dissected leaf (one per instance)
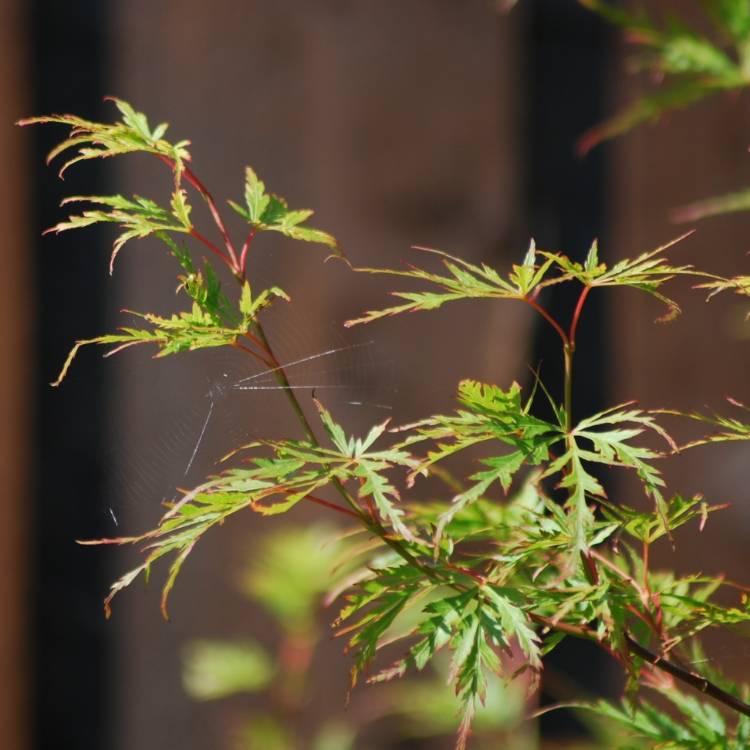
(273, 484)
(650, 108)
(138, 218)
(373, 606)
(725, 428)
(299, 468)
(689, 65)
(95, 140)
(649, 527)
(204, 288)
(676, 608)
(199, 328)
(368, 468)
(540, 538)
(688, 608)
(737, 284)
(647, 272)
(268, 212)
(698, 725)
(604, 438)
(464, 280)
(177, 533)
(474, 625)
(491, 414)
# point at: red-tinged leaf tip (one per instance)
(704, 517)
(588, 141)
(684, 214)
(735, 402)
(120, 540)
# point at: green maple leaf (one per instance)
(464, 280)
(268, 212)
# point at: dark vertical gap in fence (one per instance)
(71, 641)
(566, 54)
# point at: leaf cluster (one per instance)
(539, 269)
(270, 485)
(474, 624)
(212, 319)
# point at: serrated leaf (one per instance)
(246, 299)
(256, 198)
(95, 140)
(268, 212)
(138, 218)
(186, 331)
(464, 280)
(646, 272)
(274, 484)
(649, 527)
(181, 208)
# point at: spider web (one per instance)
(174, 419)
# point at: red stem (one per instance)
(332, 506)
(272, 361)
(548, 318)
(192, 179)
(647, 599)
(210, 245)
(577, 315)
(577, 631)
(245, 248)
(480, 579)
(255, 354)
(690, 678)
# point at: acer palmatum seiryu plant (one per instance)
(523, 553)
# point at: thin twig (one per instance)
(252, 353)
(210, 245)
(245, 248)
(577, 315)
(548, 318)
(689, 678)
(332, 506)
